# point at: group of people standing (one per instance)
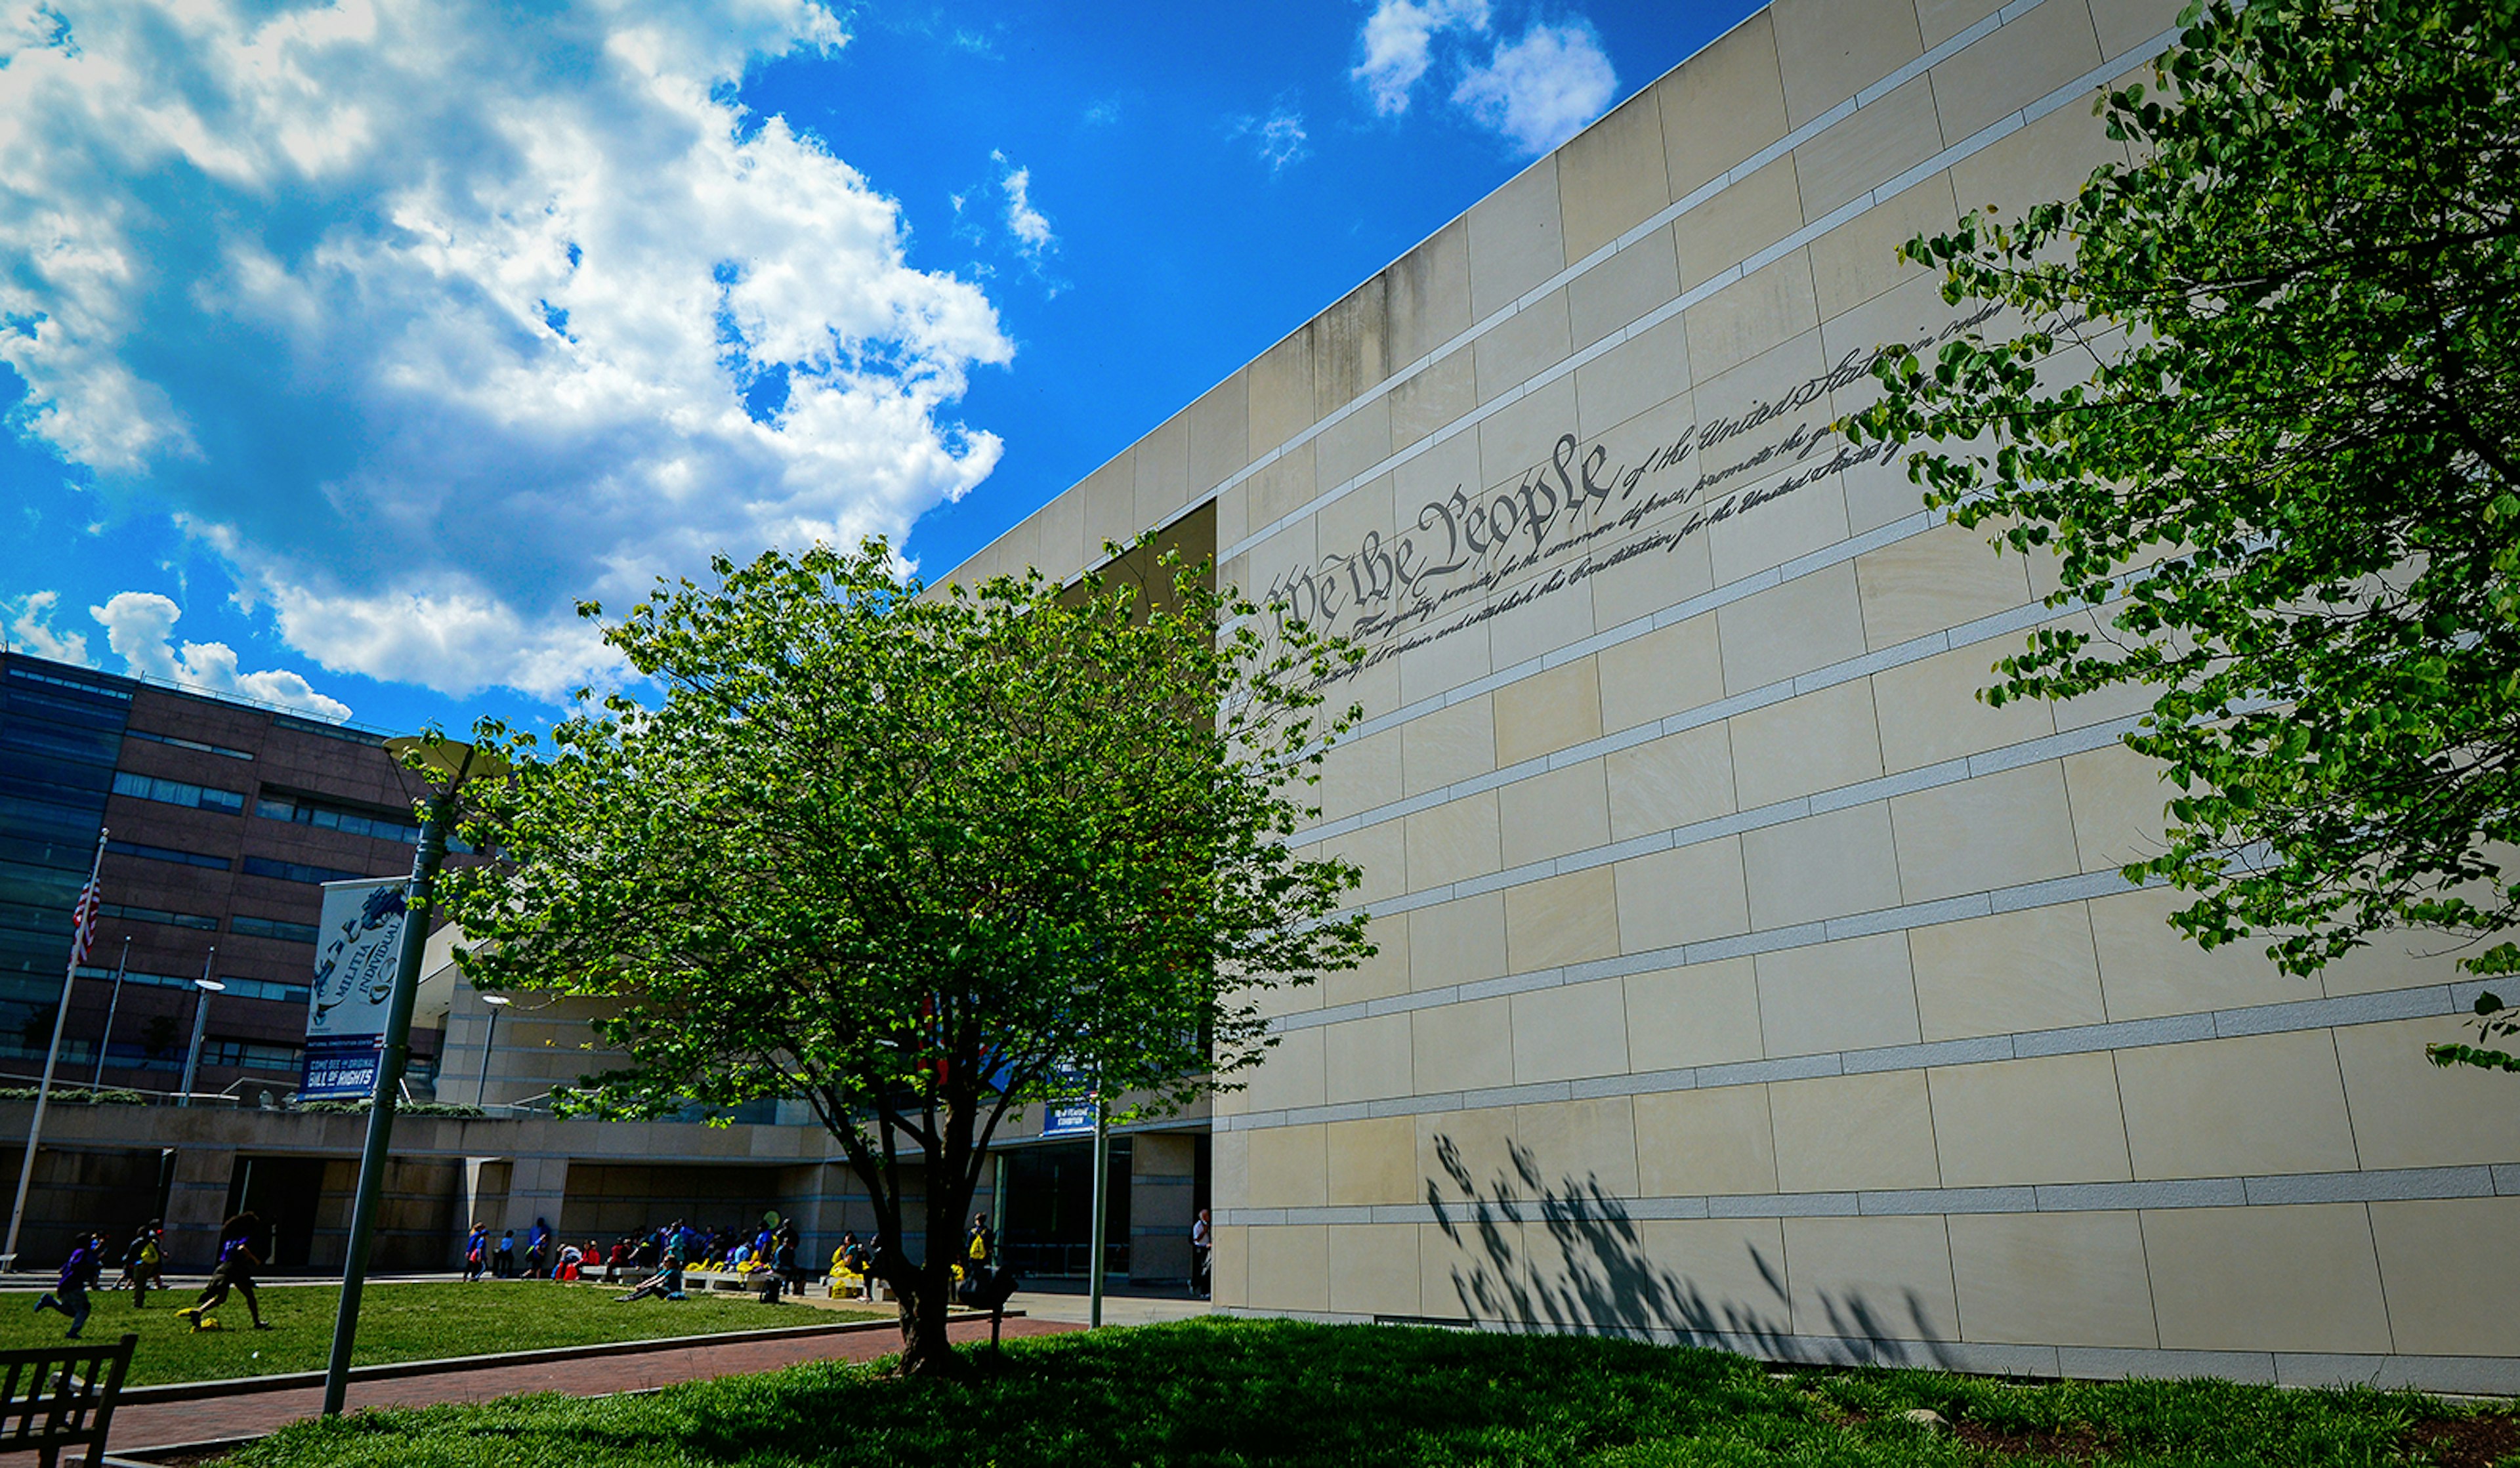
(545, 1256)
(144, 1265)
(500, 1259)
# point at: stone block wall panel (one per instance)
(1723, 925)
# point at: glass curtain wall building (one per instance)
(60, 737)
(225, 816)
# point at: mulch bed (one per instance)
(2477, 1441)
(2074, 1444)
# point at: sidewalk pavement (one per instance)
(1120, 1307)
(138, 1427)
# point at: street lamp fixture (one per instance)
(113, 1006)
(200, 1020)
(490, 1044)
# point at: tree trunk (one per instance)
(927, 1292)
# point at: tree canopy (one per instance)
(2263, 408)
(919, 857)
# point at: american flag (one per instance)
(83, 921)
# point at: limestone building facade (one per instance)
(1741, 978)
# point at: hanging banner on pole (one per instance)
(355, 959)
(1073, 1118)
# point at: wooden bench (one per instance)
(56, 1396)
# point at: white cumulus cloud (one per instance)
(429, 317)
(139, 626)
(1398, 42)
(1541, 88)
(30, 629)
(1029, 226)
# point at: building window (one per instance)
(336, 815)
(251, 988)
(245, 1055)
(127, 913)
(181, 744)
(167, 854)
(54, 822)
(176, 792)
(23, 674)
(59, 741)
(265, 927)
(368, 738)
(265, 989)
(299, 872)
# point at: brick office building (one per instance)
(225, 816)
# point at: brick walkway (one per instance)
(139, 1426)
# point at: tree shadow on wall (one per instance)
(1569, 1256)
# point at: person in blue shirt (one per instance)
(237, 1263)
(78, 1272)
(538, 1249)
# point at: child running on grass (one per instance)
(142, 1264)
(237, 1261)
(78, 1272)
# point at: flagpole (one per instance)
(51, 1057)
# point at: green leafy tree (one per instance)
(2264, 407)
(920, 859)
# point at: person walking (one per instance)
(982, 1249)
(1203, 1241)
(237, 1263)
(143, 1263)
(503, 1260)
(538, 1249)
(78, 1272)
(476, 1253)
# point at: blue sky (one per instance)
(346, 347)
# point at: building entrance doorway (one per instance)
(1050, 1209)
(287, 1192)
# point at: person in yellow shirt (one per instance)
(849, 1265)
(143, 1263)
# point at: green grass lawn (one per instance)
(1250, 1391)
(397, 1322)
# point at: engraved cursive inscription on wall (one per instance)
(1462, 546)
